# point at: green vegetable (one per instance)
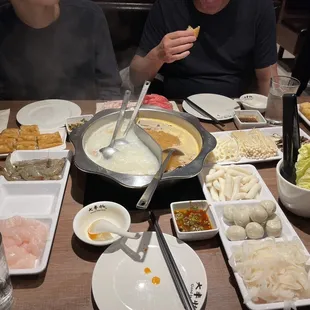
(303, 167)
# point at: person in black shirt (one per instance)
(51, 49)
(237, 41)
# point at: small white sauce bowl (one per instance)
(110, 211)
(294, 198)
(254, 102)
(77, 119)
(193, 235)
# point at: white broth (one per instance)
(133, 158)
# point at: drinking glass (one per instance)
(6, 289)
(280, 85)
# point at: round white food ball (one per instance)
(274, 227)
(269, 206)
(258, 214)
(235, 233)
(254, 231)
(229, 213)
(241, 216)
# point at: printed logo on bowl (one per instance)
(97, 208)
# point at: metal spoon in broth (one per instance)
(145, 200)
(109, 150)
(135, 113)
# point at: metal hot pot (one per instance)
(188, 122)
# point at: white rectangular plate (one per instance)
(268, 131)
(205, 171)
(63, 133)
(41, 200)
(303, 116)
(288, 233)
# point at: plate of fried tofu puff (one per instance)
(304, 112)
(29, 137)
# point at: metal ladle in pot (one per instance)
(135, 113)
(145, 200)
(109, 150)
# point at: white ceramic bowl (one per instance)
(261, 122)
(254, 102)
(194, 235)
(110, 211)
(294, 198)
(76, 119)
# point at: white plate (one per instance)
(288, 233)
(63, 135)
(119, 281)
(222, 108)
(40, 200)
(268, 131)
(48, 114)
(303, 117)
(205, 171)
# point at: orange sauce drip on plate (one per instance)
(147, 270)
(155, 280)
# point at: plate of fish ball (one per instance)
(29, 137)
(251, 220)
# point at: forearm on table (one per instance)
(145, 68)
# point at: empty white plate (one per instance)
(48, 114)
(220, 107)
(124, 274)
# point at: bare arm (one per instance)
(263, 78)
(144, 68)
(174, 46)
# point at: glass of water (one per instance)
(6, 289)
(280, 85)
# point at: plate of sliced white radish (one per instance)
(229, 183)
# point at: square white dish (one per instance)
(261, 122)
(76, 119)
(288, 233)
(268, 131)
(263, 194)
(63, 135)
(31, 198)
(41, 200)
(194, 235)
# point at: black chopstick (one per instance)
(172, 267)
(203, 112)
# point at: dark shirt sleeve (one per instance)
(108, 80)
(154, 29)
(265, 51)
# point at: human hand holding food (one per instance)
(175, 45)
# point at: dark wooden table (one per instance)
(66, 284)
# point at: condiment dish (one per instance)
(194, 235)
(77, 119)
(254, 102)
(107, 210)
(294, 198)
(249, 119)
